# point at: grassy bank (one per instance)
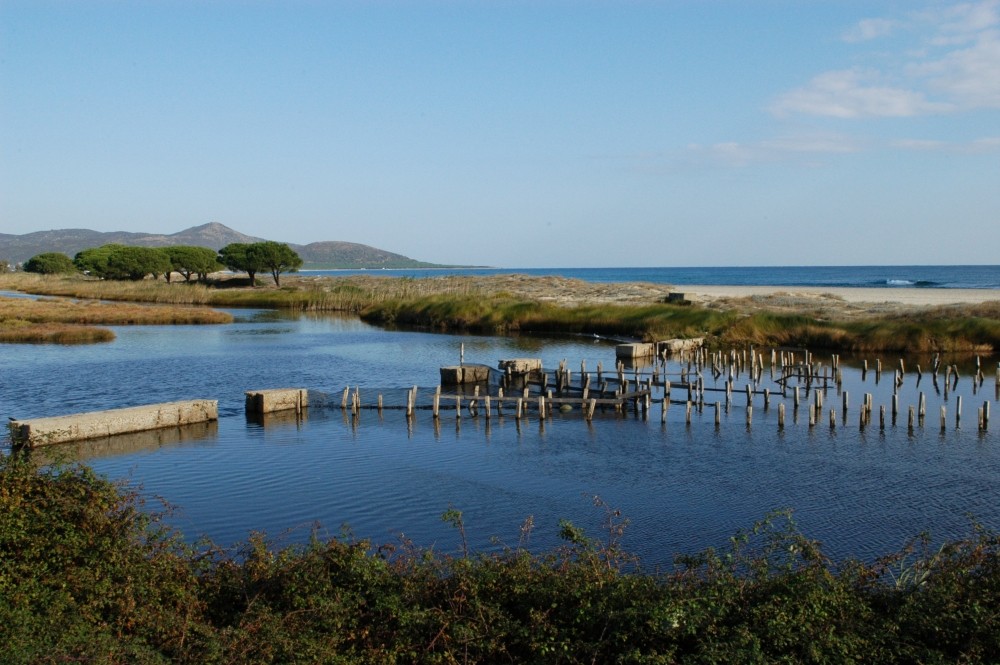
(977, 328)
(516, 303)
(88, 575)
(62, 321)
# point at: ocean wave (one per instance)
(920, 283)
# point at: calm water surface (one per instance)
(862, 493)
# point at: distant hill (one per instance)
(328, 254)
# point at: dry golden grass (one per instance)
(48, 310)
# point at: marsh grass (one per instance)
(62, 321)
(518, 303)
(16, 331)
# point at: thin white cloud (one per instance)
(805, 150)
(969, 76)
(854, 93)
(870, 28)
(983, 145)
(953, 66)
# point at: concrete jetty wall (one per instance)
(277, 399)
(459, 374)
(96, 424)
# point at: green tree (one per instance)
(50, 263)
(276, 257)
(189, 261)
(94, 260)
(238, 258)
(134, 263)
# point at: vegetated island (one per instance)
(88, 574)
(64, 321)
(835, 319)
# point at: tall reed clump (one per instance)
(93, 312)
(88, 574)
(17, 331)
(501, 313)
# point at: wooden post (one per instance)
(909, 420)
(781, 409)
(343, 401)
(986, 414)
(437, 402)
(718, 414)
(520, 407)
(845, 402)
(833, 419)
(881, 416)
(458, 406)
(687, 415)
(487, 401)
(944, 414)
(958, 411)
(541, 407)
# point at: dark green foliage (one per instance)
(50, 263)
(192, 261)
(251, 258)
(238, 257)
(122, 262)
(135, 263)
(94, 261)
(276, 257)
(86, 575)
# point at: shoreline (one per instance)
(918, 297)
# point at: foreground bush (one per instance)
(88, 575)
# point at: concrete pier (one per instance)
(459, 374)
(96, 424)
(276, 399)
(520, 365)
(672, 346)
(637, 350)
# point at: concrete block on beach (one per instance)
(636, 350)
(276, 399)
(96, 424)
(672, 346)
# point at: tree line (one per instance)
(124, 262)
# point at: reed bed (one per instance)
(96, 312)
(18, 331)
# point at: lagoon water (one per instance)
(862, 493)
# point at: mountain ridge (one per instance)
(316, 255)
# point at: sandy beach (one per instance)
(855, 295)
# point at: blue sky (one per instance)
(518, 134)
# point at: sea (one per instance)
(917, 277)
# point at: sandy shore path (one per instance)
(904, 296)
